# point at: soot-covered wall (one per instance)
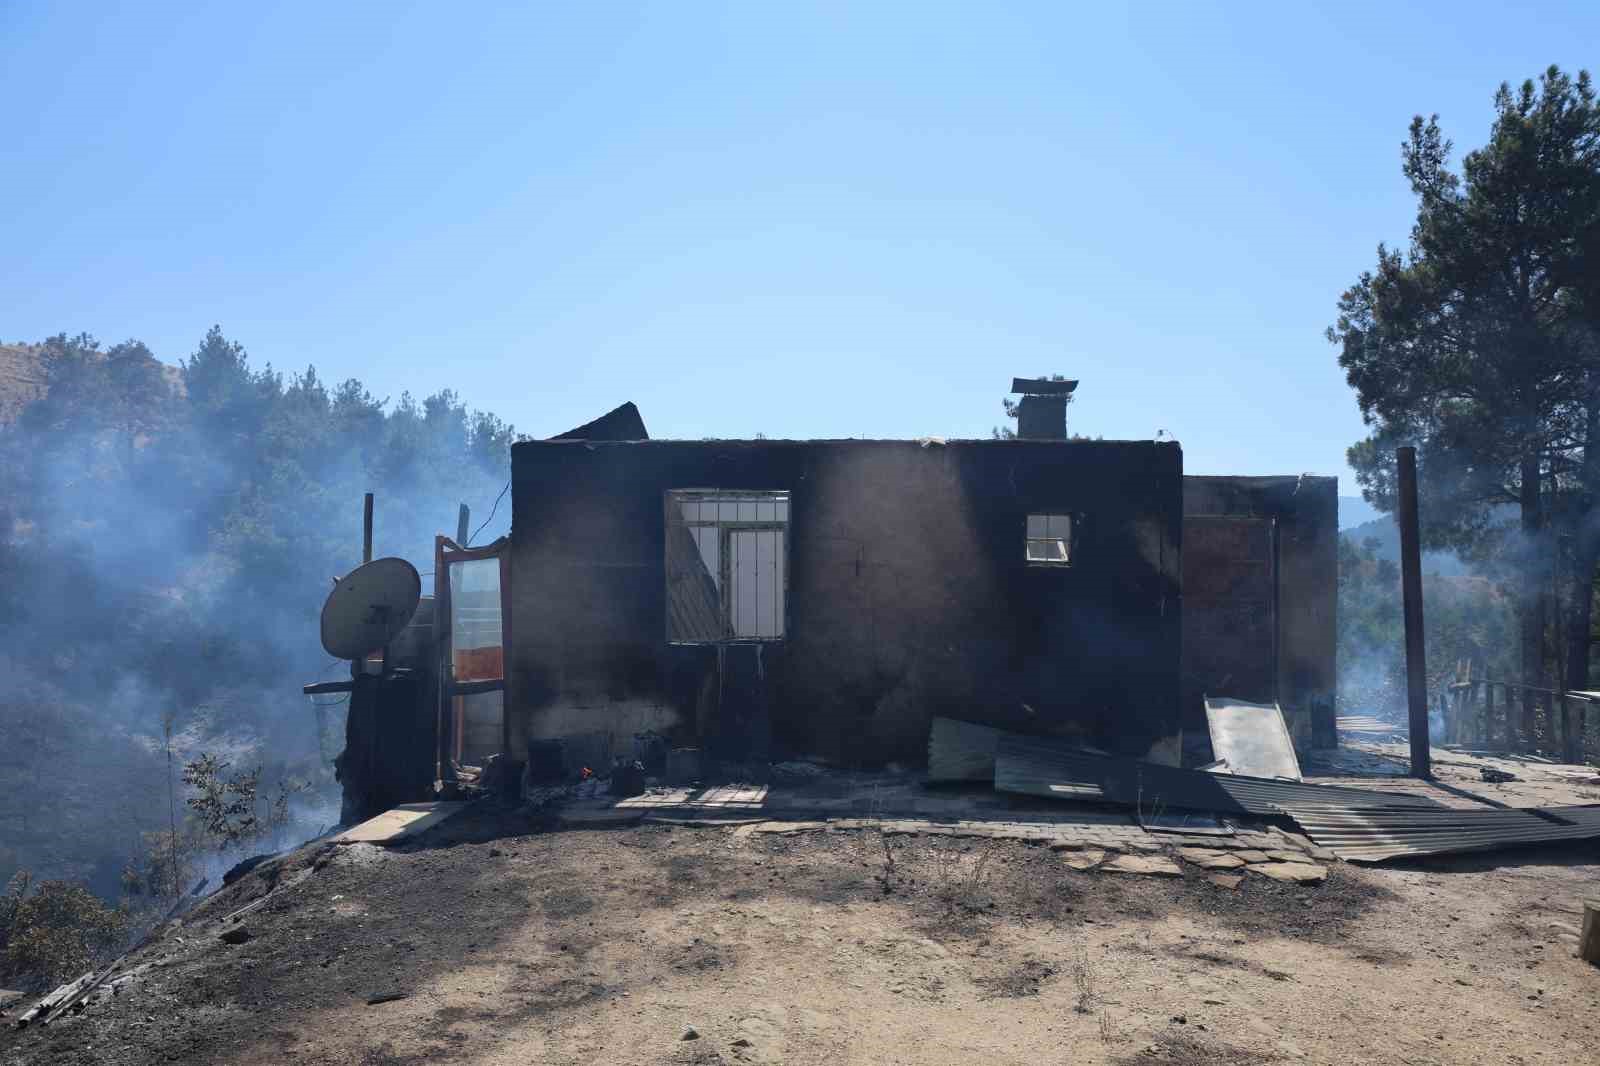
(908, 595)
(1300, 515)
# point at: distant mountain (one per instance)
(1354, 511)
(1386, 532)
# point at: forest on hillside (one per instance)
(169, 537)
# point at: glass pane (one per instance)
(745, 584)
(1047, 551)
(475, 616)
(480, 734)
(783, 509)
(766, 511)
(747, 510)
(706, 539)
(1036, 527)
(1060, 526)
(766, 594)
(728, 511)
(778, 589)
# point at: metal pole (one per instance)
(1411, 589)
(366, 529)
(463, 517)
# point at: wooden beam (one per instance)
(463, 516)
(1411, 589)
(1589, 939)
(366, 528)
(323, 688)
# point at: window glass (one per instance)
(1049, 540)
(726, 565)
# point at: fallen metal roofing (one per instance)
(961, 751)
(1251, 738)
(1376, 834)
(1036, 767)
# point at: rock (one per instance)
(1251, 855)
(1287, 856)
(1323, 855)
(1154, 865)
(1225, 881)
(237, 935)
(1223, 862)
(1084, 860)
(690, 1033)
(495, 853)
(744, 1042)
(1199, 856)
(1303, 873)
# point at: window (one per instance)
(1049, 540)
(727, 565)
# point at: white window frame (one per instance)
(726, 528)
(1042, 535)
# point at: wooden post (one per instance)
(1589, 939)
(366, 529)
(1581, 722)
(463, 517)
(1411, 590)
(1489, 731)
(1548, 706)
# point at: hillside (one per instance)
(21, 379)
(1384, 530)
(1354, 511)
(494, 940)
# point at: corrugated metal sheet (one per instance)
(1376, 834)
(1588, 815)
(1036, 767)
(694, 606)
(1251, 738)
(961, 751)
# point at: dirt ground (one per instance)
(512, 944)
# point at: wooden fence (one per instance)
(1508, 716)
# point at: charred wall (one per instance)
(1261, 573)
(908, 595)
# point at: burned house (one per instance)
(830, 597)
(763, 599)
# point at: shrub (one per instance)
(55, 933)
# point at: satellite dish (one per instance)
(369, 606)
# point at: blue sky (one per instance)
(805, 221)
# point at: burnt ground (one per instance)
(510, 944)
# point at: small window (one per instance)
(727, 565)
(1049, 540)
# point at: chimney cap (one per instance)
(1042, 387)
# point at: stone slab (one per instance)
(1084, 860)
(1153, 865)
(1300, 873)
(400, 823)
